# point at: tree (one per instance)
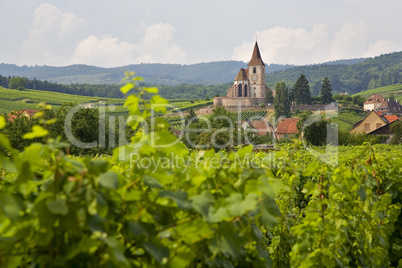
(396, 129)
(281, 101)
(316, 129)
(269, 96)
(17, 82)
(303, 117)
(191, 117)
(326, 89)
(301, 91)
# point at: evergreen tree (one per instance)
(269, 96)
(191, 117)
(326, 89)
(281, 101)
(301, 91)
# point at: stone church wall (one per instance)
(234, 102)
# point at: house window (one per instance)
(254, 70)
(378, 125)
(245, 90)
(240, 89)
(366, 126)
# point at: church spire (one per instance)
(256, 57)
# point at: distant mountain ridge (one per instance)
(210, 73)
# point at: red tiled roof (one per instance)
(256, 57)
(375, 99)
(31, 112)
(287, 126)
(261, 126)
(391, 118)
(14, 114)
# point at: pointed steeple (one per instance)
(256, 57)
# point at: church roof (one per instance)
(241, 75)
(256, 57)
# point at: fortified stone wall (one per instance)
(208, 110)
(234, 102)
(317, 107)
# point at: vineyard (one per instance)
(251, 115)
(161, 205)
(178, 122)
(11, 100)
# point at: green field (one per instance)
(346, 120)
(395, 90)
(11, 100)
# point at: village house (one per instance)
(287, 128)
(29, 113)
(374, 123)
(378, 103)
(262, 127)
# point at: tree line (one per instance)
(371, 73)
(300, 93)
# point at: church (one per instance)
(249, 87)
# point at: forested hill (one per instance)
(203, 79)
(371, 73)
(211, 73)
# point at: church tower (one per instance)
(256, 74)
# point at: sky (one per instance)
(122, 32)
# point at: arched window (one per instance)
(240, 89)
(254, 70)
(245, 90)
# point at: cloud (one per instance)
(287, 45)
(106, 51)
(349, 42)
(300, 46)
(61, 38)
(158, 45)
(52, 37)
(381, 47)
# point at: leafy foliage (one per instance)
(63, 211)
(396, 129)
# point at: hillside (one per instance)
(386, 92)
(376, 72)
(208, 79)
(211, 73)
(11, 100)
